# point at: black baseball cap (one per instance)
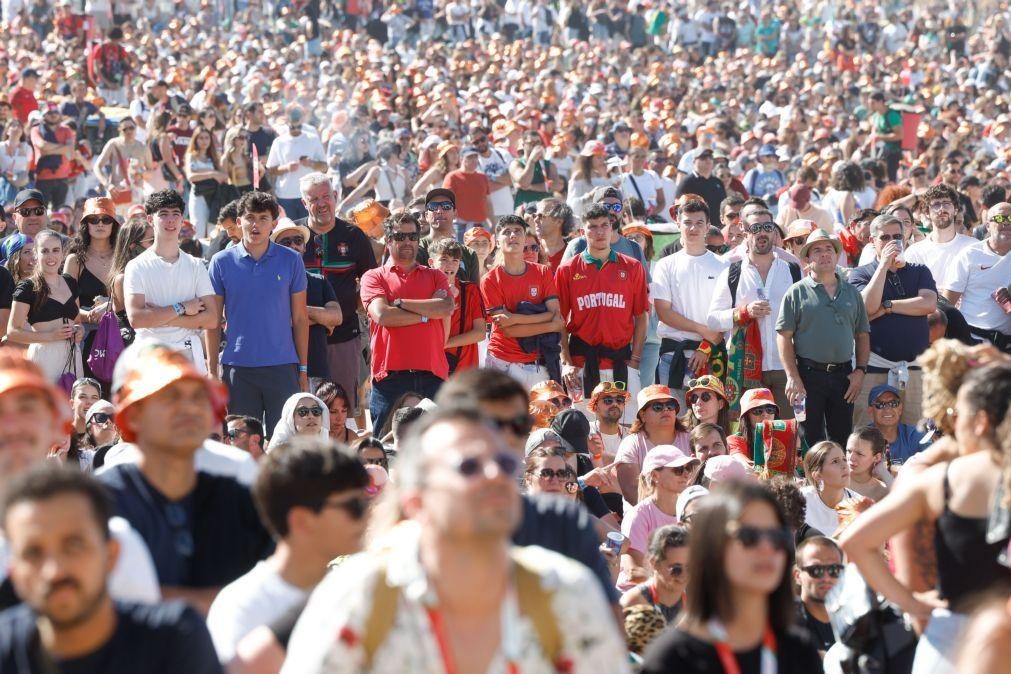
(28, 195)
(573, 429)
(440, 192)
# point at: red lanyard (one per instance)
(442, 641)
(655, 596)
(728, 660)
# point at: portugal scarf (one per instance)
(744, 369)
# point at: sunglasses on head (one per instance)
(548, 474)
(473, 466)
(32, 210)
(303, 412)
(764, 409)
(757, 227)
(355, 507)
(612, 400)
(616, 207)
(103, 220)
(613, 385)
(661, 406)
(519, 424)
(434, 206)
(405, 236)
(100, 418)
(705, 397)
(819, 570)
(291, 241)
(749, 536)
(886, 404)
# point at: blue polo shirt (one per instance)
(895, 336)
(257, 299)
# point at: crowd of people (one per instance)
(501, 336)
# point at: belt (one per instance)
(825, 367)
(410, 372)
(995, 337)
(883, 370)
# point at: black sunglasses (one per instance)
(660, 406)
(291, 241)
(104, 220)
(612, 400)
(757, 227)
(519, 424)
(750, 536)
(705, 397)
(548, 474)
(32, 210)
(303, 412)
(474, 465)
(355, 507)
(883, 404)
(100, 418)
(439, 206)
(764, 409)
(405, 236)
(819, 570)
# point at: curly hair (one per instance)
(945, 365)
(791, 500)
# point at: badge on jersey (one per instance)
(534, 291)
(622, 275)
(342, 249)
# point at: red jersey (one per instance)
(505, 291)
(471, 190)
(599, 302)
(555, 261)
(410, 347)
(467, 308)
(24, 103)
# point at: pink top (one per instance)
(634, 447)
(637, 527)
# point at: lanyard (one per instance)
(442, 641)
(727, 658)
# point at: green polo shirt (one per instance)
(823, 327)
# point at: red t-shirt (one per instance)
(64, 135)
(410, 347)
(502, 290)
(471, 190)
(599, 304)
(24, 103)
(475, 309)
(555, 261)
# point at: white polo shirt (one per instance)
(976, 272)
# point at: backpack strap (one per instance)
(795, 271)
(733, 280)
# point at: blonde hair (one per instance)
(945, 365)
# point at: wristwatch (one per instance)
(397, 303)
(862, 368)
(887, 306)
(179, 308)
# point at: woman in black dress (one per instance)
(740, 597)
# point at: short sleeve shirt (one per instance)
(463, 320)
(6, 288)
(502, 290)
(688, 282)
(895, 336)
(318, 293)
(165, 283)
(411, 347)
(823, 328)
(976, 273)
(601, 298)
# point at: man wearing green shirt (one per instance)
(821, 323)
(887, 136)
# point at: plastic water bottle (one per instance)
(800, 408)
(762, 294)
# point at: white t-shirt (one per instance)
(287, 149)
(646, 183)
(494, 166)
(133, 578)
(976, 272)
(165, 283)
(937, 257)
(688, 283)
(819, 515)
(669, 188)
(257, 598)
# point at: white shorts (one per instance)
(528, 374)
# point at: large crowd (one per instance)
(500, 336)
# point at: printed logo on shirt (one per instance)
(622, 275)
(985, 267)
(597, 300)
(578, 277)
(342, 249)
(534, 291)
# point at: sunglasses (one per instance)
(1001, 219)
(614, 207)
(761, 227)
(669, 406)
(474, 465)
(764, 409)
(681, 470)
(548, 474)
(405, 236)
(434, 206)
(703, 381)
(519, 424)
(886, 404)
(104, 220)
(384, 462)
(612, 400)
(750, 536)
(100, 418)
(561, 401)
(303, 412)
(819, 570)
(705, 397)
(938, 205)
(613, 385)
(32, 210)
(355, 507)
(233, 433)
(291, 241)
(532, 248)
(885, 238)
(677, 570)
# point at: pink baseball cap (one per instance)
(726, 468)
(665, 456)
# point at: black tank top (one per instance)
(90, 286)
(966, 564)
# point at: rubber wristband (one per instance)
(303, 368)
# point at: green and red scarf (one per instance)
(744, 355)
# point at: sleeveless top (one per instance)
(89, 287)
(669, 612)
(967, 565)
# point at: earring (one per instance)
(821, 485)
